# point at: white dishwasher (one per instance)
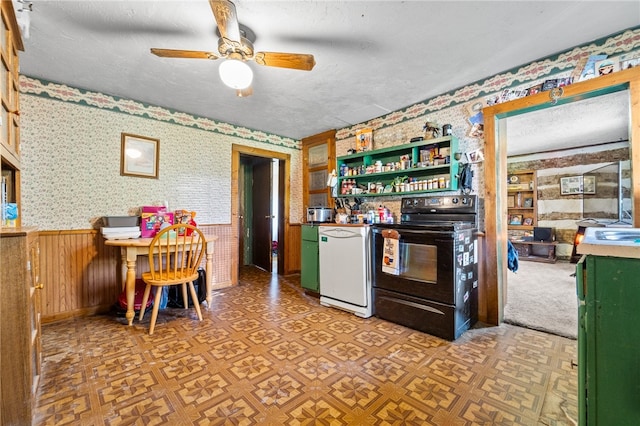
(345, 268)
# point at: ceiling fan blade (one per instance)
(225, 13)
(296, 61)
(189, 54)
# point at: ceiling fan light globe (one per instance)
(235, 74)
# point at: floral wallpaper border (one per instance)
(625, 41)
(48, 89)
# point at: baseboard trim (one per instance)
(77, 313)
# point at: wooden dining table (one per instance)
(131, 248)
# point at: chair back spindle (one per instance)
(175, 254)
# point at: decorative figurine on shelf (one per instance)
(431, 130)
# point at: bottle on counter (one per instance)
(371, 215)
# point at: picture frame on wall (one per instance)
(588, 184)
(575, 185)
(571, 185)
(139, 156)
(607, 66)
(476, 156)
(364, 140)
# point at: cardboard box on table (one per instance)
(152, 218)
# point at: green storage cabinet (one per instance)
(310, 272)
(608, 340)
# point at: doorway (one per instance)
(257, 212)
(495, 169)
(565, 140)
(259, 206)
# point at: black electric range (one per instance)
(425, 268)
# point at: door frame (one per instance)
(284, 192)
(495, 170)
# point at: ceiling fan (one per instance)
(236, 48)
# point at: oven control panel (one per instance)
(465, 203)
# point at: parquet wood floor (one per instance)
(269, 354)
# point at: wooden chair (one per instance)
(175, 254)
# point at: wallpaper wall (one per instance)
(71, 165)
(459, 107)
(71, 144)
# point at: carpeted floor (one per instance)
(542, 296)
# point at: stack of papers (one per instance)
(121, 232)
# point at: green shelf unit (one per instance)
(392, 155)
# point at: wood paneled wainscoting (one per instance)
(81, 275)
(292, 248)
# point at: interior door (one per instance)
(281, 220)
(262, 214)
(244, 245)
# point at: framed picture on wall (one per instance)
(475, 156)
(139, 156)
(589, 184)
(364, 140)
(571, 185)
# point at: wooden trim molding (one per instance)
(495, 170)
(328, 138)
(238, 150)
(12, 23)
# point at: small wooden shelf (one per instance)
(536, 251)
(522, 200)
(521, 227)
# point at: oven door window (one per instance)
(418, 262)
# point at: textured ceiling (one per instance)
(372, 57)
(592, 121)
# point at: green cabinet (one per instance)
(309, 270)
(608, 340)
(423, 167)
